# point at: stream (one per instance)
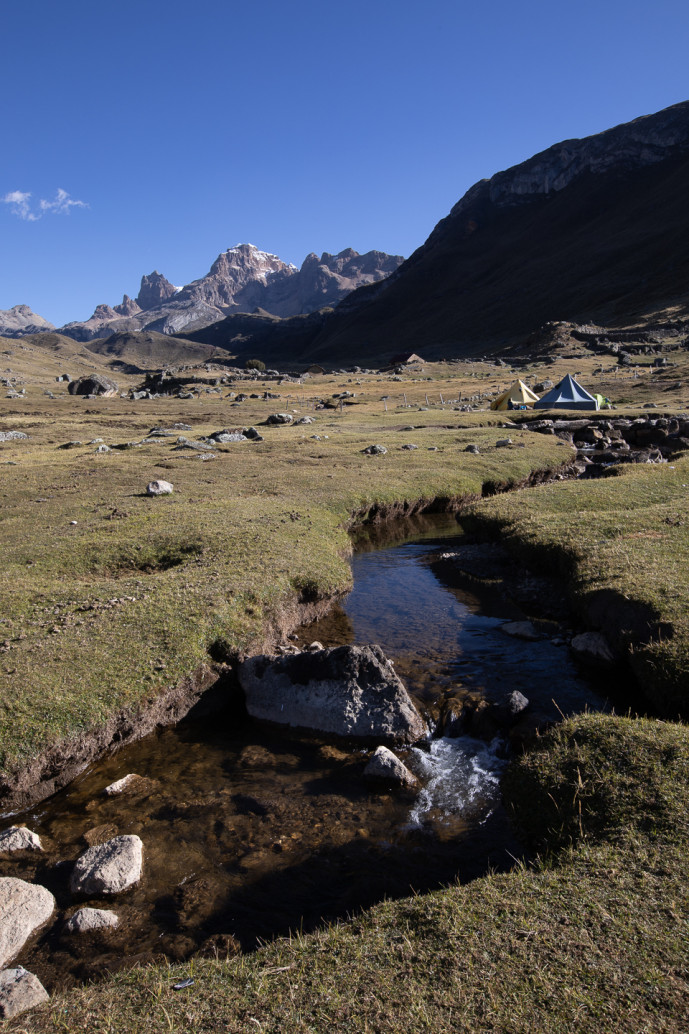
(252, 833)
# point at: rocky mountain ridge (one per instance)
(241, 279)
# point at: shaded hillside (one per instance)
(593, 230)
(147, 350)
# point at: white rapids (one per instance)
(462, 780)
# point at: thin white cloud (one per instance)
(62, 203)
(20, 205)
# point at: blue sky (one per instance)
(154, 135)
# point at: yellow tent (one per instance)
(518, 394)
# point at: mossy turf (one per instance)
(592, 937)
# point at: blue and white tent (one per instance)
(568, 394)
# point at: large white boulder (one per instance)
(24, 909)
(108, 868)
(19, 838)
(19, 991)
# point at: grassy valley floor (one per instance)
(109, 613)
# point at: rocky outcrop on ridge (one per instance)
(242, 279)
(20, 320)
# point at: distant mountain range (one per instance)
(590, 231)
(242, 279)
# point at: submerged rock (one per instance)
(348, 691)
(20, 991)
(24, 909)
(386, 768)
(592, 648)
(108, 868)
(18, 838)
(88, 920)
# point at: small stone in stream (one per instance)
(123, 784)
(159, 488)
(592, 648)
(24, 908)
(386, 768)
(374, 450)
(510, 708)
(88, 920)
(19, 838)
(315, 646)
(521, 630)
(108, 868)
(20, 991)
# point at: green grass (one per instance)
(90, 610)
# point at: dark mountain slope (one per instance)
(592, 230)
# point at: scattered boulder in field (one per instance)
(12, 436)
(473, 448)
(279, 418)
(159, 488)
(374, 450)
(348, 691)
(224, 437)
(24, 909)
(188, 443)
(503, 443)
(89, 920)
(19, 838)
(103, 448)
(93, 384)
(19, 992)
(386, 769)
(108, 868)
(592, 648)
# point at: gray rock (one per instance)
(19, 992)
(502, 443)
(88, 920)
(409, 446)
(12, 436)
(223, 437)
(159, 488)
(510, 708)
(187, 443)
(121, 785)
(348, 691)
(93, 384)
(108, 868)
(592, 648)
(24, 909)
(18, 838)
(305, 420)
(520, 630)
(473, 448)
(103, 448)
(374, 450)
(279, 418)
(386, 768)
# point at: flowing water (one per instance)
(249, 833)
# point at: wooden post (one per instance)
(385, 403)
(441, 399)
(427, 402)
(405, 399)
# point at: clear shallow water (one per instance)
(250, 833)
